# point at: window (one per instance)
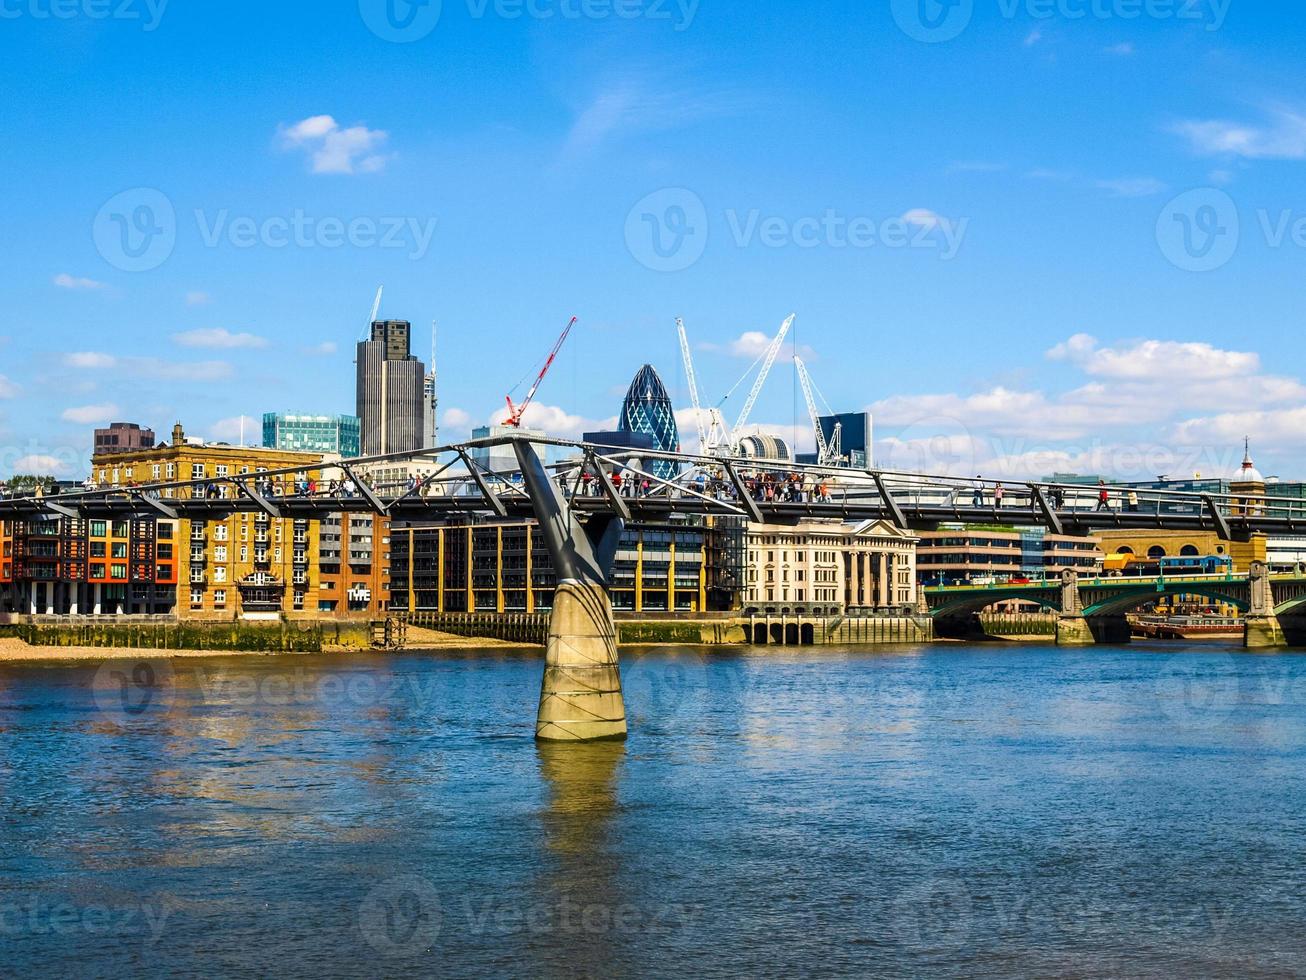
(244, 552)
(117, 571)
(220, 597)
(97, 549)
(220, 574)
(120, 529)
(97, 571)
(170, 471)
(220, 532)
(162, 572)
(98, 529)
(154, 471)
(165, 532)
(165, 551)
(196, 598)
(119, 549)
(197, 471)
(220, 553)
(220, 469)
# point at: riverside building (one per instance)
(824, 568)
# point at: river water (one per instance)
(942, 811)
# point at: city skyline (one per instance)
(1090, 344)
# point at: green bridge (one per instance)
(1095, 610)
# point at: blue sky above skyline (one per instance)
(1032, 241)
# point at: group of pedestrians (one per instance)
(1056, 497)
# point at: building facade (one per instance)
(976, 555)
(392, 404)
(250, 566)
(827, 568)
(55, 565)
(504, 566)
(353, 565)
(121, 437)
(647, 410)
(325, 434)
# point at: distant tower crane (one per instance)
(716, 438)
(515, 412)
(828, 452)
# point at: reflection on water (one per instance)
(933, 811)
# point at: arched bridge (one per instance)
(1093, 609)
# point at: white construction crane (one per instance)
(713, 437)
(828, 452)
(772, 353)
(716, 438)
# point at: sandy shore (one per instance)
(14, 650)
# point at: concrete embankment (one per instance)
(194, 638)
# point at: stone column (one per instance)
(1072, 626)
(854, 578)
(1263, 630)
(97, 597)
(886, 586)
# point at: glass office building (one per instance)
(312, 433)
(647, 410)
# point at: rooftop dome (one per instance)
(1248, 473)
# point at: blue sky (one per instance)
(1053, 234)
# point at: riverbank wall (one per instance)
(275, 637)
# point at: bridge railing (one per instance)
(735, 485)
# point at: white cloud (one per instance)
(65, 281)
(1125, 49)
(151, 367)
(456, 419)
(41, 464)
(89, 359)
(636, 105)
(90, 414)
(923, 218)
(198, 298)
(751, 343)
(1156, 359)
(229, 430)
(334, 150)
(1281, 137)
(1280, 429)
(560, 423)
(324, 349)
(1131, 186)
(218, 338)
(7, 388)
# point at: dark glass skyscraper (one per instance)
(391, 391)
(648, 410)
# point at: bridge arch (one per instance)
(1132, 598)
(965, 604)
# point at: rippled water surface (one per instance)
(976, 811)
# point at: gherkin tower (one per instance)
(648, 411)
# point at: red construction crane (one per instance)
(515, 412)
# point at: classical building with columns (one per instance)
(828, 568)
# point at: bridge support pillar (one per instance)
(1263, 630)
(580, 698)
(1074, 631)
(1072, 626)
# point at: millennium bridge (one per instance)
(585, 497)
